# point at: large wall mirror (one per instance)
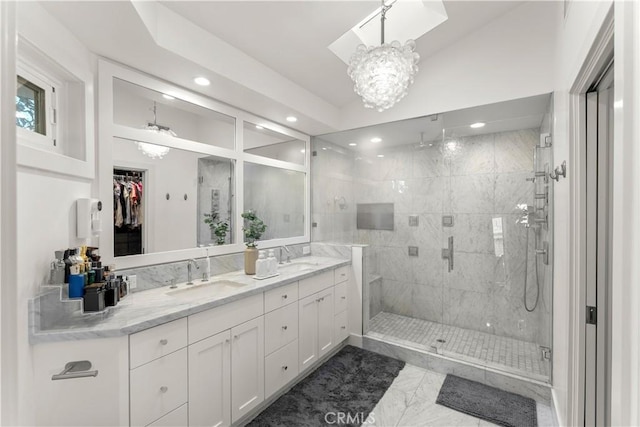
(170, 177)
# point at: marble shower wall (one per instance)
(483, 178)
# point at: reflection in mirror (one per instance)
(264, 142)
(139, 107)
(173, 196)
(215, 194)
(277, 196)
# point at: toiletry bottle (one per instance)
(58, 269)
(273, 263)
(262, 265)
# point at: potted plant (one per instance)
(219, 228)
(253, 229)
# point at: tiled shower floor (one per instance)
(506, 354)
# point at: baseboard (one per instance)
(355, 340)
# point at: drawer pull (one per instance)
(344, 297)
(343, 327)
(227, 341)
(235, 337)
(77, 369)
(284, 296)
(164, 341)
(285, 367)
(164, 389)
(284, 327)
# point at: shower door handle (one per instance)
(447, 253)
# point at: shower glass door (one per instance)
(495, 209)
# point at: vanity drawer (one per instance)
(177, 417)
(315, 284)
(341, 327)
(216, 320)
(280, 368)
(280, 327)
(158, 388)
(156, 342)
(279, 297)
(340, 300)
(341, 274)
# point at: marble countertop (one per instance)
(146, 309)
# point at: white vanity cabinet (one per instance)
(226, 362)
(158, 377)
(341, 303)
(73, 400)
(315, 319)
(210, 381)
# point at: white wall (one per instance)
(46, 211)
(576, 35)
(511, 57)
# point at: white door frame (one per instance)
(598, 58)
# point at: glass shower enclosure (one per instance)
(465, 269)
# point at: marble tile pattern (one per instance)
(411, 401)
(143, 310)
(511, 355)
(483, 178)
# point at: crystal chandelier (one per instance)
(152, 150)
(383, 74)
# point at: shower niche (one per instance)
(472, 185)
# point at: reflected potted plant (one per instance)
(219, 228)
(253, 229)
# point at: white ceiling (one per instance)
(287, 39)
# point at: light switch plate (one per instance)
(413, 251)
(447, 220)
(413, 220)
(306, 250)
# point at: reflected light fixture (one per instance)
(292, 119)
(353, 144)
(477, 125)
(202, 81)
(383, 74)
(152, 150)
(375, 140)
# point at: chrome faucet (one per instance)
(288, 253)
(189, 264)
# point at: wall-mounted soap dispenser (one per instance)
(88, 218)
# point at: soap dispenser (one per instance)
(262, 266)
(273, 263)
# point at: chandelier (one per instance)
(152, 150)
(383, 74)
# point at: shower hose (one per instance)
(526, 264)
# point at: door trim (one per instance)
(597, 59)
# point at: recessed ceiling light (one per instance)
(169, 97)
(324, 148)
(477, 125)
(352, 144)
(202, 81)
(303, 151)
(376, 140)
(292, 119)
(259, 127)
(381, 155)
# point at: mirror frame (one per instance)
(109, 130)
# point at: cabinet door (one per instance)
(247, 367)
(210, 381)
(307, 331)
(325, 321)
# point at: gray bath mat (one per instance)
(489, 403)
(350, 383)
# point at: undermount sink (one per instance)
(205, 289)
(297, 266)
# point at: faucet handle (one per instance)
(173, 284)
